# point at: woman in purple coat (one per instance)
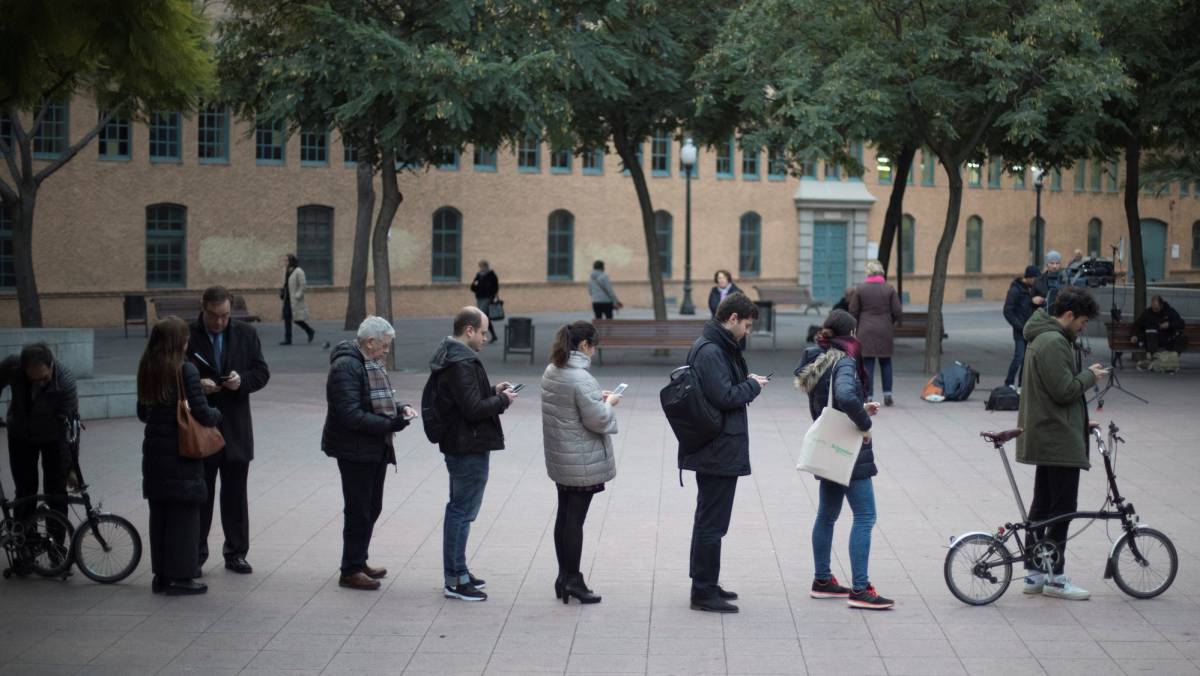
(876, 306)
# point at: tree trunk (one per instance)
(937, 283)
(28, 300)
(356, 301)
(625, 150)
(1136, 263)
(379, 242)
(895, 210)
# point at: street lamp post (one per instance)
(687, 156)
(1039, 228)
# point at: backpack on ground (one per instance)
(693, 419)
(431, 417)
(956, 382)
(1003, 398)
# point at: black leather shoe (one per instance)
(714, 605)
(239, 565)
(726, 594)
(185, 588)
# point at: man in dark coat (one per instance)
(1018, 308)
(471, 407)
(729, 386)
(44, 399)
(228, 354)
(486, 286)
(1159, 327)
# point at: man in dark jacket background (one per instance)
(1018, 308)
(1158, 327)
(360, 419)
(729, 386)
(228, 354)
(470, 408)
(44, 399)
(486, 286)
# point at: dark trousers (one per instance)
(483, 304)
(602, 310)
(714, 506)
(1017, 366)
(174, 536)
(23, 458)
(362, 495)
(568, 529)
(287, 324)
(235, 511)
(1055, 491)
(885, 371)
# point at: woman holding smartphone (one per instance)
(577, 421)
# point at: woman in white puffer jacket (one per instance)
(577, 419)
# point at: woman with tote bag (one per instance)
(833, 372)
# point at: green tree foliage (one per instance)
(131, 56)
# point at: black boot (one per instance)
(715, 604)
(573, 585)
(558, 587)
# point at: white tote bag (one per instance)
(831, 444)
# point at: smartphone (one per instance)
(517, 388)
(225, 378)
(621, 389)
(768, 376)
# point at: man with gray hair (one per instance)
(1046, 288)
(362, 415)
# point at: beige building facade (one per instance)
(169, 208)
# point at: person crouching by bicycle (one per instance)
(837, 362)
(1054, 416)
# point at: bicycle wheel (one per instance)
(107, 548)
(47, 548)
(1154, 572)
(978, 569)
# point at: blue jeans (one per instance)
(468, 478)
(1018, 360)
(861, 497)
(885, 370)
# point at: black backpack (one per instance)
(958, 381)
(693, 419)
(1003, 398)
(431, 417)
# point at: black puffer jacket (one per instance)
(41, 419)
(353, 430)
(724, 377)
(847, 398)
(466, 401)
(165, 475)
(1018, 305)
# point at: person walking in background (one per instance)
(486, 287)
(228, 355)
(295, 308)
(577, 423)
(361, 416)
(173, 485)
(1049, 281)
(1018, 308)
(724, 286)
(875, 305)
(604, 299)
(836, 362)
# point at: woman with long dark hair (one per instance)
(837, 362)
(577, 422)
(173, 485)
(295, 307)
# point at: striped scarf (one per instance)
(383, 398)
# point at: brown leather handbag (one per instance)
(195, 440)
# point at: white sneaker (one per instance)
(1061, 587)
(1034, 582)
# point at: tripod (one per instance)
(1114, 382)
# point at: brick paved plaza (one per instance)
(937, 479)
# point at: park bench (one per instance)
(789, 295)
(914, 325)
(187, 307)
(1120, 337)
(645, 334)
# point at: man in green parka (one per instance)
(1055, 419)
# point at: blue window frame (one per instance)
(928, 167)
(560, 244)
(8, 265)
(164, 137)
(974, 175)
(113, 141)
(529, 155)
(1095, 234)
(314, 149)
(750, 163)
(447, 159)
(1080, 175)
(832, 171)
(269, 142)
(1183, 188)
(750, 245)
(50, 139)
(974, 244)
(883, 167)
(808, 169)
(593, 161)
(1056, 180)
(447, 245)
(1020, 174)
(166, 246)
(485, 159)
(560, 161)
(349, 153)
(314, 242)
(212, 130)
(776, 166)
(1097, 176)
(660, 154)
(1114, 172)
(725, 158)
(663, 225)
(995, 172)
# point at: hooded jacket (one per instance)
(353, 430)
(1053, 409)
(600, 289)
(466, 400)
(1151, 320)
(1018, 305)
(820, 369)
(39, 418)
(576, 425)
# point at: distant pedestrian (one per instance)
(361, 416)
(604, 299)
(723, 286)
(876, 306)
(1049, 282)
(1018, 308)
(577, 423)
(486, 287)
(295, 307)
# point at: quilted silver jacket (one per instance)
(576, 424)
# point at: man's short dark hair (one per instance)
(739, 304)
(215, 295)
(36, 353)
(598, 265)
(1077, 300)
(468, 316)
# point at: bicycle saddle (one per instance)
(1001, 437)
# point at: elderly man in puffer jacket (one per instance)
(577, 421)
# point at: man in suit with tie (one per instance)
(229, 356)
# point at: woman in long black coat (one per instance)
(173, 485)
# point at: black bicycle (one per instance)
(1142, 561)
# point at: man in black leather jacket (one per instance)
(471, 407)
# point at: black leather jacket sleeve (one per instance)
(464, 389)
(345, 391)
(717, 382)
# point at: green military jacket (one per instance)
(1053, 409)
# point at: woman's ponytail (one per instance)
(567, 338)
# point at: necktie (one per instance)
(218, 348)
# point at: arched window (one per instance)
(750, 245)
(908, 236)
(1094, 237)
(974, 244)
(447, 245)
(1196, 245)
(560, 245)
(314, 242)
(166, 246)
(663, 225)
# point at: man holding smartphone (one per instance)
(1054, 416)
